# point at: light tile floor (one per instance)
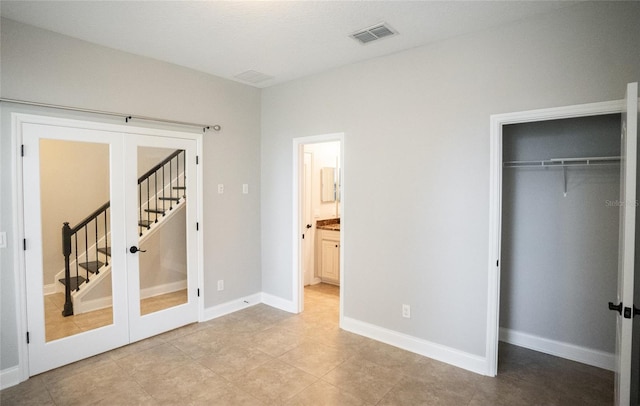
(263, 356)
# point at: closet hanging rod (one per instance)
(126, 117)
(564, 162)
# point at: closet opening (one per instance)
(559, 253)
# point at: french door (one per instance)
(110, 237)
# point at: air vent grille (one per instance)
(373, 33)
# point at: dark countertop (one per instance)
(328, 224)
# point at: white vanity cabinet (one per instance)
(328, 256)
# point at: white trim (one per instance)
(200, 222)
(573, 352)
(297, 288)
(162, 289)
(279, 303)
(84, 306)
(10, 377)
(495, 203)
(52, 288)
(18, 254)
(470, 362)
(223, 309)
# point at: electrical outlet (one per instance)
(220, 188)
(406, 311)
(221, 284)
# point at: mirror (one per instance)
(328, 176)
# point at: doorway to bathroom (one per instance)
(318, 221)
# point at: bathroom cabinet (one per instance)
(328, 256)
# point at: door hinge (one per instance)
(22, 150)
(27, 337)
(198, 292)
(24, 244)
(498, 263)
(197, 226)
(303, 236)
(197, 160)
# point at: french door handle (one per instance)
(636, 311)
(135, 249)
(617, 308)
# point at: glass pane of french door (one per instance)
(162, 228)
(75, 213)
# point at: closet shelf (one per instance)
(564, 162)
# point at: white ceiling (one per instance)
(282, 39)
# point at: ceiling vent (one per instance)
(374, 33)
(253, 76)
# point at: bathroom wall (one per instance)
(325, 154)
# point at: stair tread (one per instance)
(156, 211)
(91, 266)
(175, 199)
(75, 281)
(145, 223)
(180, 187)
(106, 251)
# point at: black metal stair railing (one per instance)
(92, 233)
(167, 175)
(88, 230)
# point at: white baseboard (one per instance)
(223, 309)
(279, 303)
(51, 288)
(162, 289)
(9, 377)
(84, 306)
(572, 352)
(470, 362)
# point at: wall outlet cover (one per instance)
(406, 311)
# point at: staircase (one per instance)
(86, 246)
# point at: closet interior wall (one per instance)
(560, 253)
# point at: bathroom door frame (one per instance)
(298, 179)
(20, 373)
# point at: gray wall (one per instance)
(416, 169)
(46, 67)
(560, 254)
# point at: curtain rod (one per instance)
(126, 117)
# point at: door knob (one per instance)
(617, 307)
(135, 249)
(309, 226)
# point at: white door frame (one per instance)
(495, 203)
(298, 172)
(307, 214)
(17, 121)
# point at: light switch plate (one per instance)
(245, 188)
(3, 239)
